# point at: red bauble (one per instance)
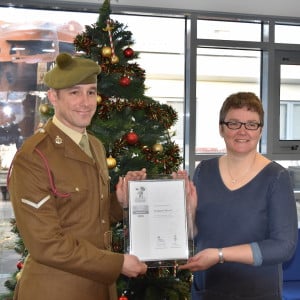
(128, 52)
(132, 138)
(124, 81)
(123, 298)
(20, 265)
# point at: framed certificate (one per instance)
(157, 220)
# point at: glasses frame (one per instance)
(246, 124)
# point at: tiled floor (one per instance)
(8, 256)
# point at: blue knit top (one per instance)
(262, 212)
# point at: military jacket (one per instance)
(63, 209)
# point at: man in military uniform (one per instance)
(61, 198)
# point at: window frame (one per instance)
(289, 148)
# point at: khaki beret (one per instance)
(70, 71)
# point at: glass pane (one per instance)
(289, 102)
(165, 83)
(153, 34)
(296, 121)
(224, 30)
(287, 34)
(162, 57)
(283, 121)
(221, 72)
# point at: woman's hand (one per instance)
(190, 189)
(191, 200)
(122, 185)
(210, 256)
(202, 260)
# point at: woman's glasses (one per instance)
(234, 125)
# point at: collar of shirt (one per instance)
(74, 135)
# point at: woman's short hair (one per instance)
(241, 100)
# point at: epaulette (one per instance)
(31, 143)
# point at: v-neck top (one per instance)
(263, 211)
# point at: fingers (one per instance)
(190, 266)
(136, 175)
(144, 268)
(121, 186)
(180, 174)
(132, 266)
(120, 182)
(184, 267)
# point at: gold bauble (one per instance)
(18, 275)
(106, 51)
(99, 99)
(114, 59)
(111, 162)
(44, 108)
(157, 147)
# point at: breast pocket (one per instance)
(73, 208)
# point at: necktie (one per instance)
(85, 146)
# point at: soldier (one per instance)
(61, 198)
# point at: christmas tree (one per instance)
(134, 128)
(20, 248)
(136, 132)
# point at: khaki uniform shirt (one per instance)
(63, 208)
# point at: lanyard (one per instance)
(53, 188)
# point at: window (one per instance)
(29, 45)
(220, 72)
(230, 53)
(289, 120)
(286, 138)
(162, 57)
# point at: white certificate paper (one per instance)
(157, 220)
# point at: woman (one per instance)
(246, 213)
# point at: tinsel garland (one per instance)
(83, 42)
(163, 114)
(131, 70)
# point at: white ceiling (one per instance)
(281, 8)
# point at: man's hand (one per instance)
(132, 266)
(122, 185)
